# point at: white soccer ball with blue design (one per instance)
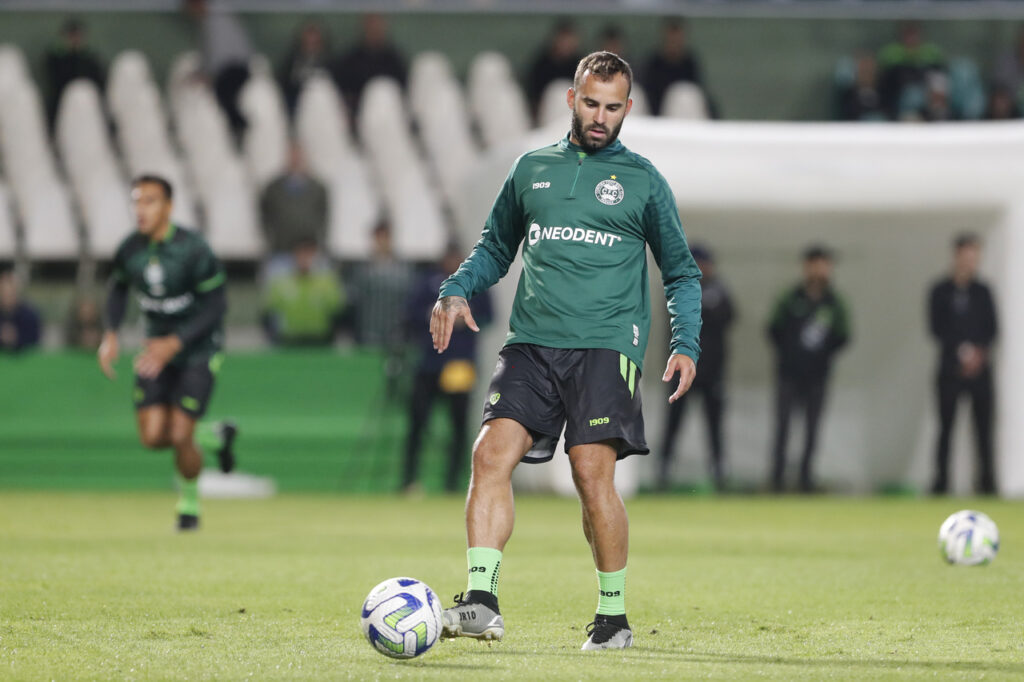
(401, 618)
(968, 538)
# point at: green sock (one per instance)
(188, 503)
(208, 436)
(612, 589)
(484, 563)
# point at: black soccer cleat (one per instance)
(226, 453)
(188, 522)
(608, 632)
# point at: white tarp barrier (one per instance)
(889, 198)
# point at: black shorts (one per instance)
(184, 387)
(593, 392)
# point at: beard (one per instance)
(578, 134)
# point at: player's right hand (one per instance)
(107, 354)
(442, 319)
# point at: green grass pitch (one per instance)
(98, 586)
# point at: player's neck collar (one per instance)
(168, 235)
(568, 145)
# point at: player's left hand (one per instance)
(157, 353)
(687, 369)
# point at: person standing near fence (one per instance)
(809, 326)
(962, 318)
(717, 314)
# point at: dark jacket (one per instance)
(716, 314)
(957, 316)
(27, 327)
(464, 340)
(807, 333)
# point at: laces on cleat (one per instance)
(601, 629)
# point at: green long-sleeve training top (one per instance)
(584, 221)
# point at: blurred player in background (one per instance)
(588, 208)
(962, 318)
(809, 326)
(716, 312)
(180, 288)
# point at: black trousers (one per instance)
(712, 391)
(979, 388)
(791, 394)
(425, 390)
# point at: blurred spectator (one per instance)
(71, 58)
(452, 374)
(84, 327)
(904, 65)
(375, 55)
(808, 326)
(613, 39)
(304, 307)
(557, 60)
(674, 61)
(937, 106)
(962, 318)
(293, 211)
(225, 50)
(716, 314)
(1001, 105)
(861, 100)
(1009, 71)
(20, 324)
(308, 55)
(380, 288)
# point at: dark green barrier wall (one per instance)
(312, 421)
(774, 69)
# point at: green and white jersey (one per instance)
(584, 221)
(169, 278)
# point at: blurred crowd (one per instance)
(914, 79)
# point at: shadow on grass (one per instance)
(698, 657)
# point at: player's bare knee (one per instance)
(592, 477)
(181, 438)
(153, 437)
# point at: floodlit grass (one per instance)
(98, 586)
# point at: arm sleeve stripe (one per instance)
(211, 284)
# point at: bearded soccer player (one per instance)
(180, 287)
(587, 208)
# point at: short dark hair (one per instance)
(965, 239)
(605, 66)
(817, 252)
(150, 178)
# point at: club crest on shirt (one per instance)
(154, 276)
(609, 192)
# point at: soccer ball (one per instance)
(401, 618)
(968, 538)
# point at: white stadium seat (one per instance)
(129, 71)
(43, 207)
(553, 106)
(145, 144)
(92, 168)
(265, 143)
(496, 100)
(641, 107)
(417, 225)
(221, 183)
(322, 129)
(438, 103)
(685, 101)
(8, 236)
(13, 67)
